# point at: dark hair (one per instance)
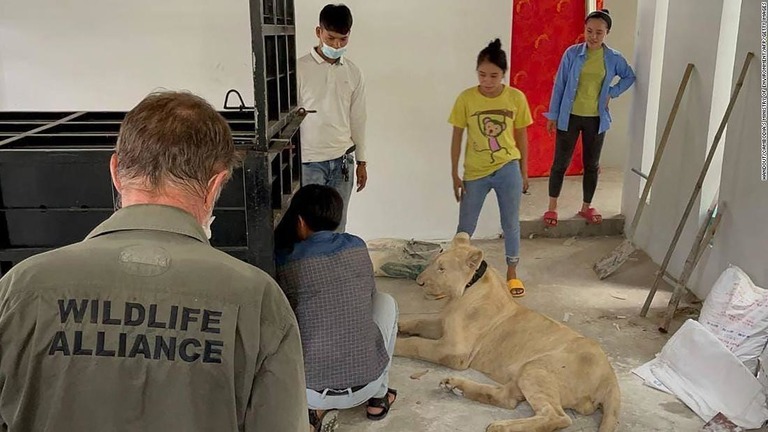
(177, 138)
(336, 18)
(493, 54)
(603, 14)
(321, 208)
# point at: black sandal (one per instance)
(328, 422)
(382, 403)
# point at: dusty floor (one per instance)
(559, 281)
(607, 196)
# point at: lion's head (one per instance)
(451, 271)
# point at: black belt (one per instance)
(335, 392)
(351, 150)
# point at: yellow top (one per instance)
(590, 83)
(490, 123)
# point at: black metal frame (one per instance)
(277, 157)
(54, 176)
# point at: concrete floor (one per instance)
(607, 197)
(560, 280)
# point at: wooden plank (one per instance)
(703, 237)
(610, 263)
(660, 150)
(699, 183)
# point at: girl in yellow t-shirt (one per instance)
(496, 117)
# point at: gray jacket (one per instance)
(146, 327)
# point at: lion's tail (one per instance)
(611, 403)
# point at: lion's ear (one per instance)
(474, 259)
(461, 239)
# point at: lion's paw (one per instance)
(451, 385)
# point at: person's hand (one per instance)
(458, 187)
(551, 127)
(362, 176)
(525, 183)
(608, 102)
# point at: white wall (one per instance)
(721, 95)
(622, 38)
(417, 56)
(108, 54)
(742, 238)
(650, 32)
(708, 40)
(697, 43)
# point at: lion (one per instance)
(529, 355)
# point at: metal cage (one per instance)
(55, 185)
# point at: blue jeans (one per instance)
(329, 173)
(507, 182)
(385, 314)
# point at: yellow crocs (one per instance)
(516, 287)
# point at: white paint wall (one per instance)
(417, 56)
(622, 38)
(108, 54)
(697, 43)
(721, 95)
(743, 238)
(650, 32)
(709, 41)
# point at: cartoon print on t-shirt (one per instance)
(492, 124)
(493, 128)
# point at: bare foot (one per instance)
(511, 272)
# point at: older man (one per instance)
(144, 325)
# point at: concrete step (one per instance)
(572, 227)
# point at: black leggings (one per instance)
(565, 142)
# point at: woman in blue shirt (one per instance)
(579, 105)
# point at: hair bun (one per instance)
(605, 11)
(493, 54)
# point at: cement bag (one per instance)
(708, 378)
(736, 312)
(762, 371)
(404, 259)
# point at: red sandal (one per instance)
(592, 216)
(550, 218)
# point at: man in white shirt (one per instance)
(330, 84)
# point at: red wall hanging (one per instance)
(541, 31)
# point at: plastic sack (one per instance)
(404, 259)
(762, 371)
(709, 378)
(736, 312)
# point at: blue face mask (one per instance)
(333, 53)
